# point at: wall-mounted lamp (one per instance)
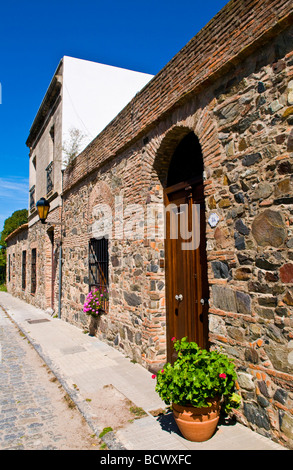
(43, 207)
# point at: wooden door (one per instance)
(187, 290)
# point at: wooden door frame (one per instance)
(188, 186)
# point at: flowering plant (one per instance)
(95, 302)
(197, 376)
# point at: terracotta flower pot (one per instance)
(197, 424)
(93, 326)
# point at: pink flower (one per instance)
(154, 376)
(222, 376)
(173, 339)
(162, 371)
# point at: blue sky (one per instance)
(35, 35)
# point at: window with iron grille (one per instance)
(34, 271)
(49, 171)
(32, 198)
(23, 270)
(99, 265)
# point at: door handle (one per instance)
(179, 297)
(204, 301)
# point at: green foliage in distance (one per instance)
(17, 219)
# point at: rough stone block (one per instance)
(224, 298)
(268, 229)
(286, 273)
(243, 303)
(251, 159)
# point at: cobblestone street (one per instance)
(34, 412)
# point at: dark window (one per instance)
(186, 163)
(23, 270)
(49, 171)
(34, 271)
(9, 268)
(98, 263)
(52, 133)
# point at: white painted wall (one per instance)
(93, 94)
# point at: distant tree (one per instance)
(2, 258)
(17, 219)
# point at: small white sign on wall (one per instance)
(213, 219)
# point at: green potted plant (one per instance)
(94, 306)
(198, 385)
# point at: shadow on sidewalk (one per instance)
(167, 422)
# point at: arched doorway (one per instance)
(187, 289)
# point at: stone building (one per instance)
(211, 131)
(82, 98)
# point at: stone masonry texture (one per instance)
(232, 85)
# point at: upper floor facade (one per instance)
(82, 99)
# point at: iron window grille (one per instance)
(99, 265)
(32, 197)
(34, 271)
(23, 271)
(49, 171)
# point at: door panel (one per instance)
(186, 273)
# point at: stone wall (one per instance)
(36, 237)
(17, 243)
(243, 123)
(250, 250)
(136, 304)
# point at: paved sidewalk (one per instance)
(84, 365)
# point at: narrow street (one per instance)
(35, 412)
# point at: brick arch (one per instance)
(100, 194)
(206, 131)
(166, 150)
